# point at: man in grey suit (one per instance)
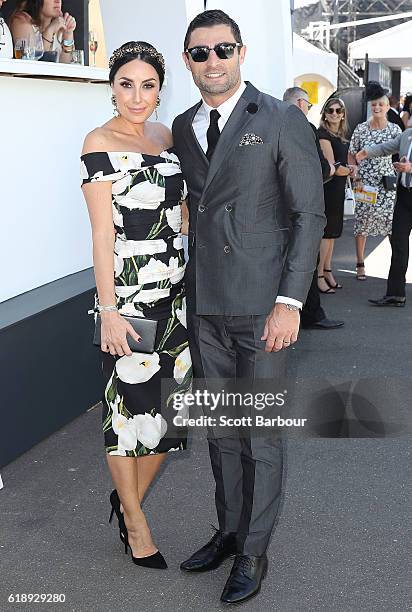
(256, 218)
(402, 215)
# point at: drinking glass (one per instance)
(29, 52)
(19, 47)
(37, 42)
(93, 44)
(77, 57)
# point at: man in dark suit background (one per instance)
(256, 217)
(393, 113)
(395, 117)
(402, 216)
(313, 315)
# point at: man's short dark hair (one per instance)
(207, 19)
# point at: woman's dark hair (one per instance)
(407, 103)
(136, 50)
(32, 8)
(207, 19)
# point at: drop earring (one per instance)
(115, 109)
(157, 106)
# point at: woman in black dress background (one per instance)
(333, 140)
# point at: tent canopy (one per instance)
(308, 59)
(392, 47)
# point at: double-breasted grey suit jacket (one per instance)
(256, 212)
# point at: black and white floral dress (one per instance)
(148, 275)
(374, 219)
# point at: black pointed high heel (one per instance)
(155, 561)
(115, 503)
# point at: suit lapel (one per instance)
(232, 132)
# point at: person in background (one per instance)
(6, 41)
(332, 135)
(406, 114)
(402, 216)
(373, 219)
(313, 316)
(394, 116)
(45, 16)
(393, 113)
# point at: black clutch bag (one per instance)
(146, 328)
(389, 182)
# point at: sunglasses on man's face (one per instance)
(307, 102)
(331, 111)
(223, 50)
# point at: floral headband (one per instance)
(136, 49)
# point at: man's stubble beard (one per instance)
(233, 79)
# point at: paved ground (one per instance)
(342, 540)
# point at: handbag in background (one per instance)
(349, 203)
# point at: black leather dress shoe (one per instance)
(245, 578)
(324, 324)
(389, 300)
(209, 557)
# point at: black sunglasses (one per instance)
(331, 111)
(223, 50)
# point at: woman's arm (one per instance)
(98, 196)
(20, 26)
(185, 218)
(69, 26)
(328, 153)
(405, 118)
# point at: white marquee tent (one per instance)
(392, 47)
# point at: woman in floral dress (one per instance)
(373, 219)
(134, 190)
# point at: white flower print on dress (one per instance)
(174, 217)
(124, 161)
(182, 364)
(156, 270)
(181, 313)
(150, 430)
(118, 265)
(138, 367)
(121, 185)
(167, 169)
(144, 195)
(125, 429)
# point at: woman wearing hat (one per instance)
(373, 217)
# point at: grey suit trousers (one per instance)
(247, 468)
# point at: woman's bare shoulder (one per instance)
(162, 133)
(97, 140)
(20, 17)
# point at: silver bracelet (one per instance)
(110, 308)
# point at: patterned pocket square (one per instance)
(250, 139)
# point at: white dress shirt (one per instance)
(200, 126)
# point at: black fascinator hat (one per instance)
(374, 91)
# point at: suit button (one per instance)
(228, 207)
(226, 248)
(201, 208)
